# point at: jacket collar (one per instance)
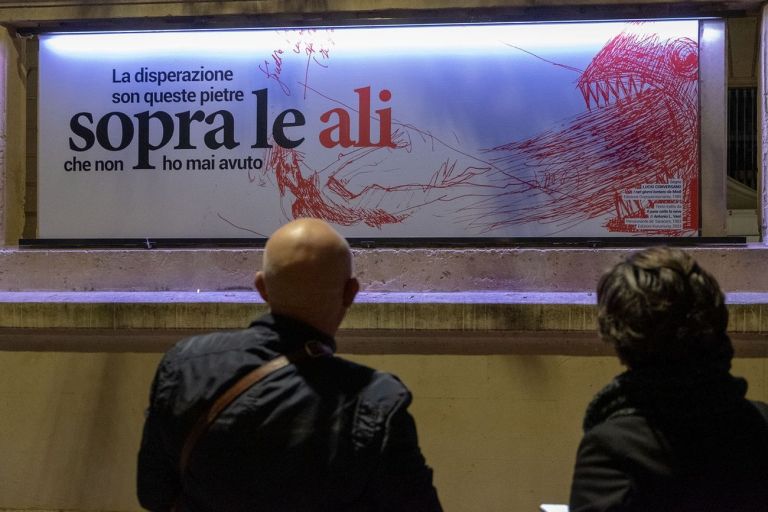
(293, 333)
(666, 393)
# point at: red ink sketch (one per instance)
(311, 198)
(629, 158)
(640, 128)
(273, 68)
(314, 45)
(326, 193)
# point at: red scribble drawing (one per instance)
(311, 198)
(326, 194)
(311, 45)
(637, 135)
(640, 128)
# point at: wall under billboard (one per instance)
(454, 131)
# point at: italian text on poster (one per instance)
(542, 130)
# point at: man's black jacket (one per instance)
(321, 435)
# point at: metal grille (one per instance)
(742, 135)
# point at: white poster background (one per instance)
(488, 124)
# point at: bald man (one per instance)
(268, 419)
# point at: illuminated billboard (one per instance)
(451, 131)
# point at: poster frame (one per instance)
(712, 193)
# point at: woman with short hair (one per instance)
(674, 432)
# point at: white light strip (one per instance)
(390, 39)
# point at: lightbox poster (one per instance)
(500, 130)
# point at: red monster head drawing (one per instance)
(640, 129)
(632, 64)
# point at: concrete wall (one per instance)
(500, 431)
(12, 137)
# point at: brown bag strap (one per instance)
(311, 350)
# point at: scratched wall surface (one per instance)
(379, 270)
(763, 108)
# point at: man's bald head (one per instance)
(307, 274)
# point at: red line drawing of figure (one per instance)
(326, 193)
(311, 198)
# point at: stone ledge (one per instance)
(372, 341)
(468, 311)
(420, 270)
(409, 323)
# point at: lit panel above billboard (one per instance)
(451, 131)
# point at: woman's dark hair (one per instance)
(658, 307)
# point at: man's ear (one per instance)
(351, 287)
(261, 286)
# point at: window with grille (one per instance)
(742, 135)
